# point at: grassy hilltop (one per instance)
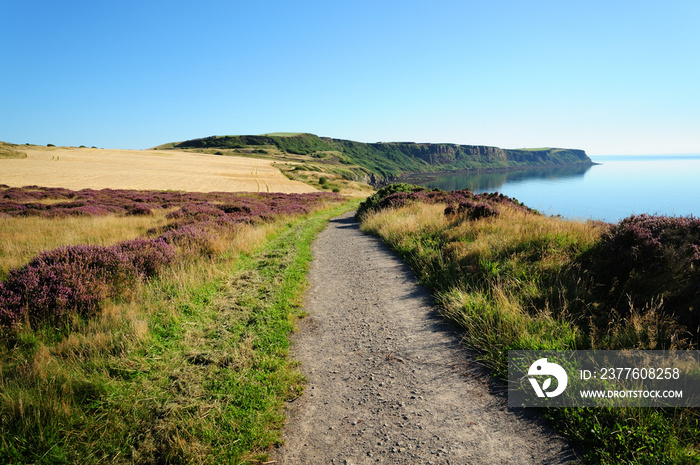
(373, 162)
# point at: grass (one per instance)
(517, 281)
(190, 367)
(382, 160)
(79, 168)
(283, 134)
(8, 151)
(22, 238)
(327, 177)
(490, 274)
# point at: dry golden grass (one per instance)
(250, 237)
(514, 229)
(406, 221)
(49, 379)
(22, 238)
(80, 168)
(335, 182)
(126, 383)
(10, 151)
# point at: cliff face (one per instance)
(453, 154)
(384, 160)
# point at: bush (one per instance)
(139, 210)
(648, 258)
(476, 205)
(76, 279)
(63, 281)
(371, 203)
(472, 210)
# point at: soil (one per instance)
(387, 380)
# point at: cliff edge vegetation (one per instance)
(380, 161)
(514, 279)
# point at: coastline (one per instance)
(420, 177)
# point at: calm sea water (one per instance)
(618, 187)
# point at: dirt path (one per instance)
(387, 380)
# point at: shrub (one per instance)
(63, 281)
(647, 258)
(196, 212)
(371, 203)
(75, 280)
(139, 210)
(147, 257)
(472, 210)
(193, 240)
(397, 195)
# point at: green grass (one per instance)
(282, 134)
(193, 369)
(389, 159)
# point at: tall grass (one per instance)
(8, 151)
(189, 367)
(22, 238)
(490, 275)
(123, 346)
(515, 279)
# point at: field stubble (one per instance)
(80, 168)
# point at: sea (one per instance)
(616, 187)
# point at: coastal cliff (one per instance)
(381, 161)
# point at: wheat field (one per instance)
(80, 168)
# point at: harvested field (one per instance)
(80, 168)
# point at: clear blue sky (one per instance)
(609, 77)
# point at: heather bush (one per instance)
(647, 259)
(371, 203)
(196, 212)
(75, 280)
(192, 240)
(653, 242)
(472, 210)
(146, 256)
(464, 200)
(26, 201)
(139, 210)
(64, 281)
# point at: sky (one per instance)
(608, 77)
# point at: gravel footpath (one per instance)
(387, 380)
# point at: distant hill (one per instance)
(385, 160)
